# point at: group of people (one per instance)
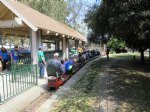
(6, 56)
(87, 54)
(66, 65)
(63, 65)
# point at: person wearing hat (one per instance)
(14, 54)
(41, 61)
(69, 65)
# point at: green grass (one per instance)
(81, 98)
(131, 85)
(128, 85)
(124, 55)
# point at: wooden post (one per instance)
(76, 44)
(1, 39)
(39, 38)
(65, 48)
(83, 44)
(57, 45)
(33, 47)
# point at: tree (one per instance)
(69, 12)
(75, 13)
(115, 44)
(125, 19)
(56, 9)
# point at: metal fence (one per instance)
(22, 76)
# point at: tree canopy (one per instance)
(115, 44)
(125, 19)
(56, 9)
(69, 12)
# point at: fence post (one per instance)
(36, 74)
(0, 98)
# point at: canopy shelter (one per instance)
(20, 20)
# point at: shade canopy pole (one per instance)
(65, 48)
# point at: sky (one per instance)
(88, 4)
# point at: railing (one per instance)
(22, 76)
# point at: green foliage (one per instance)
(75, 14)
(114, 43)
(66, 11)
(126, 19)
(56, 9)
(82, 96)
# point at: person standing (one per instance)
(41, 61)
(14, 54)
(4, 55)
(107, 53)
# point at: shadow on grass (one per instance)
(129, 85)
(80, 97)
(125, 82)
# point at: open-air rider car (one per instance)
(55, 79)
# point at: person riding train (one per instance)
(69, 65)
(60, 71)
(56, 62)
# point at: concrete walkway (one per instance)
(19, 103)
(24, 100)
(47, 105)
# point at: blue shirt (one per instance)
(56, 63)
(4, 55)
(15, 54)
(68, 64)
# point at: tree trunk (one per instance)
(149, 53)
(142, 56)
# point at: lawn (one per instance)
(83, 96)
(123, 83)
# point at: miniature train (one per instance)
(54, 77)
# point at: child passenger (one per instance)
(63, 76)
(63, 67)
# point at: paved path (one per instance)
(32, 99)
(19, 103)
(121, 86)
(45, 107)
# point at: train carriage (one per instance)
(55, 78)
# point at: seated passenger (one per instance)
(87, 55)
(69, 65)
(84, 57)
(64, 70)
(66, 59)
(79, 58)
(80, 50)
(63, 67)
(56, 63)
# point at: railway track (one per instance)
(39, 101)
(47, 94)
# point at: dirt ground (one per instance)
(118, 85)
